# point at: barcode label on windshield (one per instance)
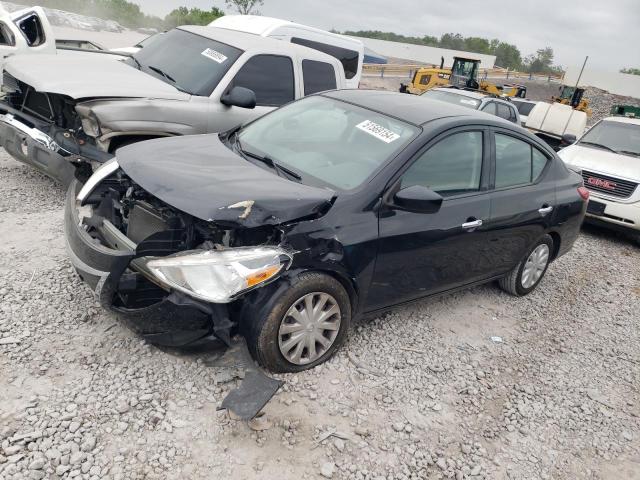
(378, 131)
(213, 55)
(468, 102)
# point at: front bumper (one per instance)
(616, 215)
(173, 320)
(27, 144)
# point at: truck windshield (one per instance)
(619, 137)
(189, 62)
(326, 142)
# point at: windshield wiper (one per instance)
(629, 152)
(598, 145)
(270, 162)
(168, 77)
(138, 64)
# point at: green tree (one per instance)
(191, 16)
(507, 56)
(245, 7)
(541, 62)
(631, 71)
(477, 45)
(453, 41)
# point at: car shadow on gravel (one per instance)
(604, 233)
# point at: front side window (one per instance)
(190, 62)
(6, 36)
(349, 58)
(505, 111)
(318, 76)
(452, 166)
(490, 108)
(270, 77)
(328, 142)
(517, 162)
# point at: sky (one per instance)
(607, 31)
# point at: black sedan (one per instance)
(340, 205)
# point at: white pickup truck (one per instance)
(60, 112)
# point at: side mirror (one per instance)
(417, 198)
(239, 97)
(568, 139)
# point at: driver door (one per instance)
(421, 254)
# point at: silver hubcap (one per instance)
(309, 328)
(534, 268)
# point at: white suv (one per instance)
(608, 155)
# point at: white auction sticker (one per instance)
(468, 102)
(213, 55)
(378, 131)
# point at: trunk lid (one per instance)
(200, 176)
(88, 77)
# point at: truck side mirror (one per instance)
(239, 97)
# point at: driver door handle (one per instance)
(545, 210)
(472, 224)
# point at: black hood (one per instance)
(202, 177)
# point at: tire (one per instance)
(513, 281)
(265, 337)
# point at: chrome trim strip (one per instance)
(35, 134)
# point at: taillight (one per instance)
(584, 193)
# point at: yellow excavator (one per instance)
(573, 96)
(462, 74)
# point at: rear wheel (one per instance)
(526, 276)
(305, 327)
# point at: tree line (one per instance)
(507, 55)
(130, 15)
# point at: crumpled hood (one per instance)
(602, 161)
(200, 176)
(88, 77)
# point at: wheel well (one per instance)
(348, 285)
(124, 140)
(555, 236)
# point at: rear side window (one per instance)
(270, 77)
(348, 58)
(31, 28)
(452, 166)
(517, 162)
(318, 76)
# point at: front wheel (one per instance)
(305, 326)
(526, 276)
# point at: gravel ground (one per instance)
(424, 392)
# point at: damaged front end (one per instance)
(172, 278)
(44, 130)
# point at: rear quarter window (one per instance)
(318, 76)
(348, 58)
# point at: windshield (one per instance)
(188, 61)
(327, 142)
(454, 98)
(616, 136)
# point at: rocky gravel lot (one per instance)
(472, 385)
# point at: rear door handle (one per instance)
(545, 210)
(472, 224)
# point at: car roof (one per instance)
(250, 42)
(633, 121)
(414, 109)
(464, 93)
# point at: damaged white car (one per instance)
(65, 115)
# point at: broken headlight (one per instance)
(217, 276)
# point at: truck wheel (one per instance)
(526, 276)
(305, 327)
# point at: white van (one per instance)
(349, 51)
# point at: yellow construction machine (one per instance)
(573, 96)
(462, 74)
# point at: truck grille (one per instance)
(615, 187)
